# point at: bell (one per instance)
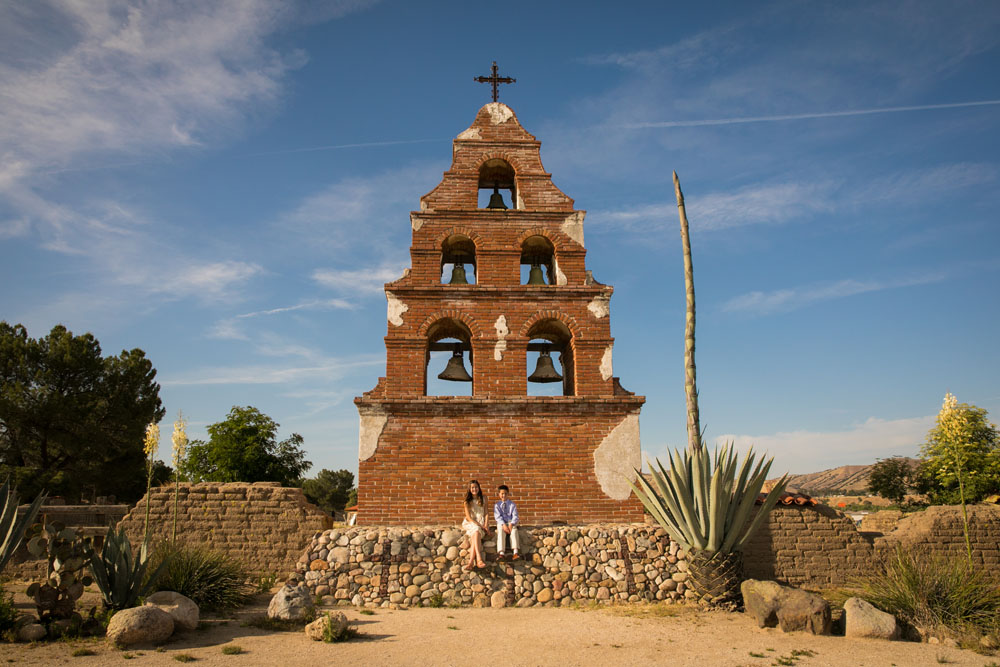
(455, 370)
(496, 199)
(458, 275)
(535, 276)
(545, 371)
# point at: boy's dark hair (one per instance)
(503, 487)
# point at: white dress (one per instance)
(477, 512)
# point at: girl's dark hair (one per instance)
(478, 496)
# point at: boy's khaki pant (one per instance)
(501, 538)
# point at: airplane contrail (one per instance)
(804, 116)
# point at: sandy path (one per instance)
(539, 636)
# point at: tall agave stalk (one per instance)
(690, 383)
(12, 529)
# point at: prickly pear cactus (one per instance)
(68, 555)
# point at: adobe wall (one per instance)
(820, 547)
(263, 525)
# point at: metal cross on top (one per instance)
(495, 79)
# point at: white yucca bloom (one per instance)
(180, 439)
(152, 440)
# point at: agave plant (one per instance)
(121, 576)
(706, 507)
(12, 529)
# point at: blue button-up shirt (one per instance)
(505, 512)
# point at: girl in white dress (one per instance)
(475, 524)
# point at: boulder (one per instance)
(498, 600)
(32, 632)
(335, 620)
(291, 603)
(181, 608)
(862, 619)
(140, 625)
(451, 538)
(772, 604)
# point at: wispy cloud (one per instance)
(361, 281)
(308, 305)
(328, 369)
(861, 444)
(805, 116)
(790, 201)
(783, 300)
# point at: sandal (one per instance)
(468, 568)
(481, 564)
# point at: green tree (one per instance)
(245, 448)
(330, 490)
(890, 478)
(961, 455)
(71, 420)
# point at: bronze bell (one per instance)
(455, 370)
(545, 371)
(458, 275)
(496, 199)
(535, 276)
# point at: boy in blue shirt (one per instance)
(505, 513)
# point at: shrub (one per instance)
(8, 612)
(930, 591)
(211, 579)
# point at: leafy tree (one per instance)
(245, 448)
(961, 455)
(331, 491)
(890, 478)
(72, 420)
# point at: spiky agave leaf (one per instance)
(12, 530)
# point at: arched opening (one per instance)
(497, 185)
(458, 260)
(449, 362)
(550, 359)
(537, 261)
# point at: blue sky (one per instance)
(226, 185)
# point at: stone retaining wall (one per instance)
(412, 566)
(811, 547)
(262, 524)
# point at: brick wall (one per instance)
(263, 525)
(542, 448)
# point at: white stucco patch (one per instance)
(600, 306)
(617, 458)
(607, 370)
(372, 422)
(395, 309)
(499, 112)
(572, 226)
(520, 202)
(502, 331)
(560, 276)
(471, 133)
(416, 222)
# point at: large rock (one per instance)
(789, 608)
(140, 625)
(182, 609)
(32, 632)
(498, 600)
(291, 603)
(451, 538)
(862, 619)
(335, 620)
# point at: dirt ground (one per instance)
(647, 634)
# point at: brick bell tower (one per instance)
(524, 294)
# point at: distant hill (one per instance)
(845, 480)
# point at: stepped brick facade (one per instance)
(566, 458)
